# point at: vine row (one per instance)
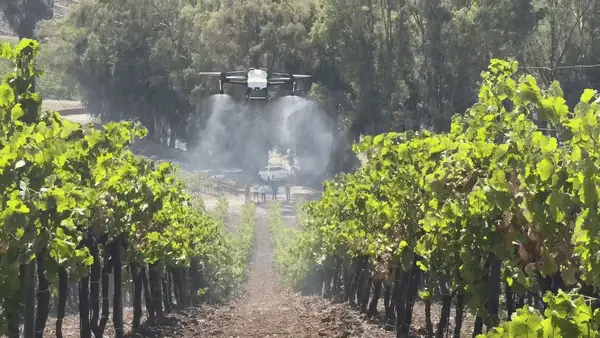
(497, 217)
(79, 207)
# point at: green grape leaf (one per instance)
(587, 95)
(545, 169)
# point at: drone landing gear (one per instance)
(221, 87)
(248, 91)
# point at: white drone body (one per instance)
(257, 80)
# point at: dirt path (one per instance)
(270, 311)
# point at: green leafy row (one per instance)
(292, 248)
(226, 265)
(496, 200)
(70, 192)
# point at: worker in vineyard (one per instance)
(287, 192)
(255, 190)
(275, 188)
(247, 192)
(263, 193)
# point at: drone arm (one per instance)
(211, 74)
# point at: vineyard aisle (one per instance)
(268, 310)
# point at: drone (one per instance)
(257, 80)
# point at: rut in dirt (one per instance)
(269, 310)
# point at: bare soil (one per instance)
(268, 310)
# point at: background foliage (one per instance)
(378, 65)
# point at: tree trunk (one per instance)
(195, 278)
(446, 305)
(147, 295)
(166, 292)
(377, 285)
(63, 294)
(510, 308)
(428, 322)
(184, 288)
(177, 283)
(400, 300)
(156, 291)
(27, 278)
(118, 289)
(458, 318)
(493, 291)
(137, 297)
(95, 274)
(391, 290)
(411, 294)
(84, 308)
(43, 295)
(106, 269)
(347, 279)
(327, 278)
(478, 326)
(366, 282)
(335, 287)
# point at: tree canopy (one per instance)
(23, 15)
(389, 65)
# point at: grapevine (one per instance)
(77, 205)
(494, 205)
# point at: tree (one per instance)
(23, 15)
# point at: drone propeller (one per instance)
(212, 73)
(231, 77)
(224, 74)
(291, 76)
(279, 79)
(236, 72)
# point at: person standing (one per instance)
(287, 192)
(255, 189)
(275, 188)
(263, 193)
(247, 192)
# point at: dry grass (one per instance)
(8, 38)
(57, 105)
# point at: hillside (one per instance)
(60, 9)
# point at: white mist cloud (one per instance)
(241, 135)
